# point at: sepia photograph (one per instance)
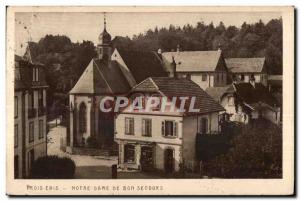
(149, 95)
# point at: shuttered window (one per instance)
(169, 128)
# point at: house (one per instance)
(30, 140)
(246, 101)
(112, 73)
(205, 68)
(164, 138)
(242, 69)
(275, 83)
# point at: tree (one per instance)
(256, 153)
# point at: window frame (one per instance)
(16, 103)
(174, 129)
(126, 155)
(144, 127)
(204, 77)
(31, 134)
(41, 129)
(129, 131)
(16, 136)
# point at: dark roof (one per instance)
(245, 65)
(179, 87)
(32, 53)
(194, 61)
(101, 78)
(23, 74)
(218, 92)
(143, 64)
(253, 95)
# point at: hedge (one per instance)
(53, 167)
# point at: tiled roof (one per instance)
(194, 61)
(143, 64)
(179, 87)
(101, 78)
(245, 65)
(218, 92)
(251, 95)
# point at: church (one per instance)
(113, 72)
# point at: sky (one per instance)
(79, 26)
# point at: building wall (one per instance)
(93, 119)
(156, 128)
(39, 145)
(161, 143)
(160, 151)
(18, 123)
(211, 78)
(191, 126)
(259, 77)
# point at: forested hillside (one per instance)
(65, 61)
(250, 40)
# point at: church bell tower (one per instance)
(104, 43)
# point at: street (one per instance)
(88, 167)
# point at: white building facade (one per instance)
(30, 140)
(163, 140)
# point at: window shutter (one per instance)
(175, 129)
(143, 127)
(126, 126)
(163, 128)
(150, 127)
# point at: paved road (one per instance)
(88, 167)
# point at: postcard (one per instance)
(150, 100)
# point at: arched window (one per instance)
(82, 118)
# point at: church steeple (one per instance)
(104, 43)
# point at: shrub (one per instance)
(92, 142)
(53, 167)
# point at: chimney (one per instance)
(178, 48)
(173, 68)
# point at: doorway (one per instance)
(169, 160)
(146, 158)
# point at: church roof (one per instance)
(101, 78)
(194, 61)
(143, 64)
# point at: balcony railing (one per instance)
(42, 111)
(31, 112)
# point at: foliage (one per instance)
(209, 146)
(53, 167)
(250, 40)
(65, 61)
(256, 153)
(92, 142)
